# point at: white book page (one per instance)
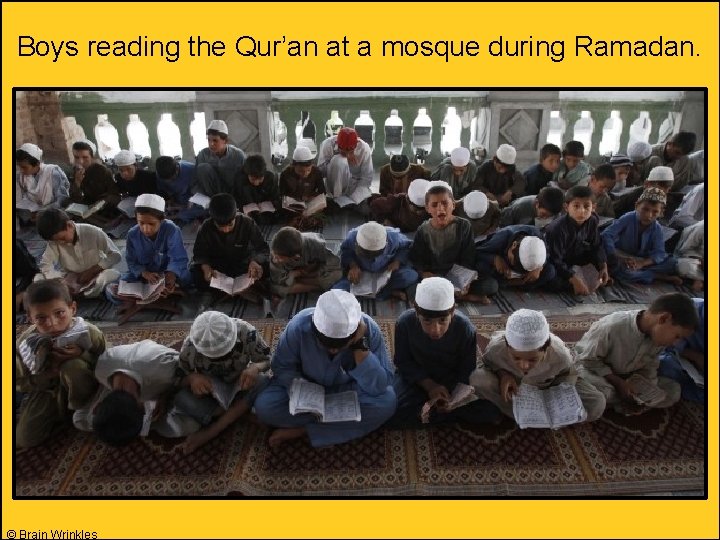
(26, 204)
(564, 405)
(222, 282)
(223, 392)
(252, 207)
(646, 393)
(529, 408)
(697, 377)
(127, 206)
(241, 283)
(267, 206)
(461, 277)
(307, 397)
(461, 395)
(78, 209)
(149, 407)
(343, 200)
(360, 194)
(370, 283)
(315, 204)
(342, 407)
(589, 275)
(201, 200)
(293, 204)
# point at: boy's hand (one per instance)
(249, 377)
(440, 395)
(531, 277)
(354, 274)
(200, 384)
(208, 272)
(88, 275)
(170, 278)
(501, 266)
(59, 355)
(359, 333)
(579, 286)
(393, 266)
(603, 276)
(625, 391)
(255, 271)
(151, 277)
(508, 386)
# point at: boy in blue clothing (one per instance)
(539, 175)
(375, 248)
(516, 256)
(435, 350)
(694, 350)
(154, 248)
(176, 182)
(635, 246)
(574, 239)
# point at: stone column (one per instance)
(39, 120)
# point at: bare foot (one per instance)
(675, 280)
(195, 441)
(476, 298)
(282, 435)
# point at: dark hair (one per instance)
(217, 133)
(287, 242)
(165, 167)
(222, 208)
(22, 155)
(551, 199)
(549, 150)
(327, 342)
(680, 307)
(604, 172)
(430, 314)
(50, 222)
(685, 140)
(82, 145)
(118, 418)
(579, 192)
(438, 190)
(517, 266)
(47, 290)
(154, 212)
(575, 149)
(254, 165)
(96, 172)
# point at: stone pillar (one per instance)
(24, 129)
(247, 115)
(46, 118)
(522, 119)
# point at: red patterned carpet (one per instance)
(661, 451)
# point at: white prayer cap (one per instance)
(435, 294)
(661, 174)
(337, 314)
(475, 204)
(434, 183)
(372, 236)
(416, 191)
(124, 158)
(532, 253)
(460, 157)
(639, 150)
(148, 200)
(218, 125)
(32, 149)
(506, 154)
(91, 144)
(214, 334)
(527, 330)
(302, 154)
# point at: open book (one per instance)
(265, 206)
(232, 286)
(140, 290)
(697, 377)
(26, 204)
(461, 277)
(201, 200)
(148, 413)
(357, 196)
(313, 206)
(224, 392)
(308, 397)
(71, 280)
(553, 407)
(645, 392)
(370, 283)
(127, 206)
(589, 275)
(83, 210)
(461, 395)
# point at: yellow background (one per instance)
(374, 22)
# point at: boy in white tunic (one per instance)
(627, 343)
(528, 353)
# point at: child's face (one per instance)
(500, 167)
(149, 225)
(66, 236)
(621, 173)
(52, 318)
(127, 172)
(525, 361)
(648, 212)
(600, 186)
(673, 151)
(217, 144)
(82, 158)
(664, 333)
(227, 228)
(302, 170)
(551, 163)
(440, 206)
(27, 169)
(436, 328)
(571, 162)
(579, 210)
(542, 213)
(459, 171)
(256, 180)
(283, 259)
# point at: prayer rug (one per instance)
(659, 452)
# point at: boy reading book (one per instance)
(257, 186)
(527, 353)
(302, 181)
(227, 349)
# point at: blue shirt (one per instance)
(164, 253)
(179, 189)
(299, 354)
(397, 248)
(698, 340)
(624, 235)
(498, 244)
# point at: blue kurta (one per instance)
(300, 355)
(180, 188)
(164, 253)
